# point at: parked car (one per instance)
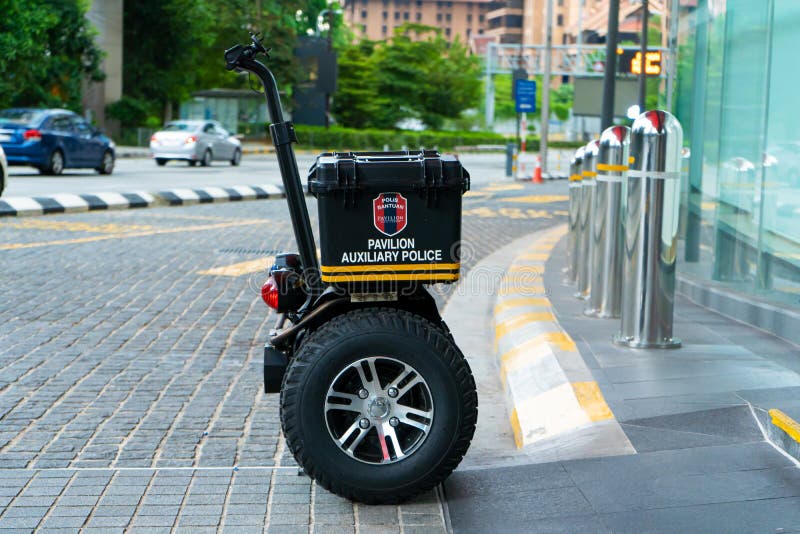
(53, 140)
(195, 141)
(3, 170)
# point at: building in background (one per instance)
(736, 98)
(106, 16)
(522, 21)
(377, 19)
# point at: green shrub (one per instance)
(343, 139)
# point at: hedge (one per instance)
(343, 139)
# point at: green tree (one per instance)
(428, 78)
(47, 50)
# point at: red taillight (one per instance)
(153, 138)
(32, 135)
(191, 139)
(269, 292)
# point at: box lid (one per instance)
(401, 170)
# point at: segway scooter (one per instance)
(377, 402)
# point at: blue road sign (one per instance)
(525, 91)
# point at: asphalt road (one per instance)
(135, 174)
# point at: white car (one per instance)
(195, 141)
(3, 170)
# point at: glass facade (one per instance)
(736, 96)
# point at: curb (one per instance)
(549, 389)
(71, 203)
(784, 432)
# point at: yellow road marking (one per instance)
(503, 187)
(537, 199)
(592, 401)
(72, 226)
(519, 321)
(521, 301)
(475, 194)
(238, 269)
(247, 222)
(785, 423)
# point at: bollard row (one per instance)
(624, 194)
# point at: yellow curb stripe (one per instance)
(238, 269)
(611, 168)
(785, 423)
(533, 269)
(540, 256)
(527, 290)
(592, 401)
(509, 325)
(559, 340)
(515, 426)
(521, 301)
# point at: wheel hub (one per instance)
(379, 408)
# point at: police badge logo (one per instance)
(389, 213)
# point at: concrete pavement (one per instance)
(704, 457)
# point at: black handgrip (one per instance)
(235, 54)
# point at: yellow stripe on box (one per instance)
(519, 321)
(785, 423)
(390, 277)
(611, 168)
(391, 267)
(592, 401)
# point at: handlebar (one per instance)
(243, 58)
(237, 53)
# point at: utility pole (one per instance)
(643, 73)
(672, 44)
(548, 59)
(610, 74)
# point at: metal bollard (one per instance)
(510, 147)
(588, 174)
(574, 209)
(650, 233)
(612, 168)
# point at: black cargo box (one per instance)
(389, 216)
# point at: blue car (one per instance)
(53, 140)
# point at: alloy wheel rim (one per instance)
(108, 162)
(379, 410)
